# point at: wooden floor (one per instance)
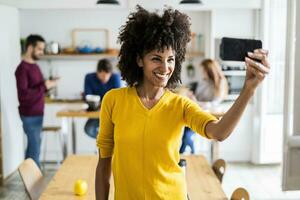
(262, 182)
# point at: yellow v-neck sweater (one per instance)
(144, 144)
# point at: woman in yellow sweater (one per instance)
(140, 129)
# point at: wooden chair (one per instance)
(240, 194)
(32, 178)
(219, 168)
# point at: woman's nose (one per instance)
(165, 65)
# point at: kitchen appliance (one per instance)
(53, 48)
(235, 75)
(93, 102)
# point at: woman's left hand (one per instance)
(256, 71)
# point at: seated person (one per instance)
(213, 88)
(98, 83)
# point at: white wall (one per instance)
(56, 25)
(291, 144)
(296, 128)
(269, 101)
(234, 23)
(12, 132)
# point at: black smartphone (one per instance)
(236, 49)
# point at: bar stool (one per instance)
(57, 131)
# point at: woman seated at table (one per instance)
(210, 91)
(213, 86)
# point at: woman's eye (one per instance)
(155, 59)
(171, 60)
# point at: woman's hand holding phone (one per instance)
(257, 67)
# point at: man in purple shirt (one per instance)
(31, 89)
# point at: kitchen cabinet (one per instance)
(237, 147)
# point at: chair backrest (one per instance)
(219, 168)
(240, 194)
(32, 178)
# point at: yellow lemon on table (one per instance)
(80, 187)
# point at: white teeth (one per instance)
(161, 75)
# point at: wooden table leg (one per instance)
(74, 136)
(65, 146)
(214, 150)
(64, 130)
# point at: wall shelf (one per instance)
(101, 56)
(78, 56)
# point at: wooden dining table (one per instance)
(202, 183)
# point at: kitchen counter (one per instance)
(49, 100)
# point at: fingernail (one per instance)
(250, 54)
(247, 59)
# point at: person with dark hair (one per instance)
(98, 83)
(140, 128)
(31, 89)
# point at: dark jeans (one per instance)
(32, 126)
(187, 140)
(91, 127)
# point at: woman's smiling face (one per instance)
(158, 67)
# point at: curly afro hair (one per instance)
(145, 31)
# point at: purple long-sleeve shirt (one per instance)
(31, 89)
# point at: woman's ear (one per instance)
(139, 61)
